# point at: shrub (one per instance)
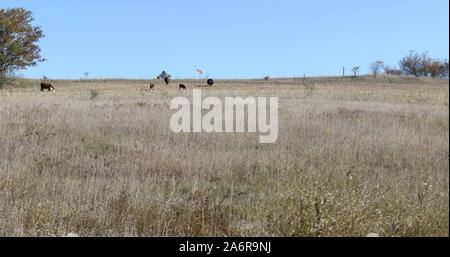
(392, 71)
(94, 94)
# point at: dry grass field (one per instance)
(353, 156)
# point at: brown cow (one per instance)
(47, 86)
(181, 86)
(167, 80)
(152, 86)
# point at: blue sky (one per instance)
(230, 39)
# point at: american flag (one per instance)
(198, 71)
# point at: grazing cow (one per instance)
(167, 80)
(47, 86)
(181, 86)
(210, 82)
(152, 86)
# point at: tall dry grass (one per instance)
(353, 156)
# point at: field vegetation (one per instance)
(354, 156)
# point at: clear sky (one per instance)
(230, 38)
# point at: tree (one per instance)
(391, 70)
(437, 68)
(414, 63)
(375, 67)
(163, 75)
(18, 38)
(355, 71)
(444, 69)
(433, 67)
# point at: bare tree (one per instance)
(376, 67)
(413, 64)
(427, 62)
(86, 74)
(387, 69)
(355, 71)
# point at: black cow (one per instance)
(210, 82)
(181, 86)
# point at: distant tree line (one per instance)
(419, 65)
(422, 65)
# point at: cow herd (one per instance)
(167, 80)
(50, 87)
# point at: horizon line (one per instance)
(237, 78)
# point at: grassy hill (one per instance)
(354, 156)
